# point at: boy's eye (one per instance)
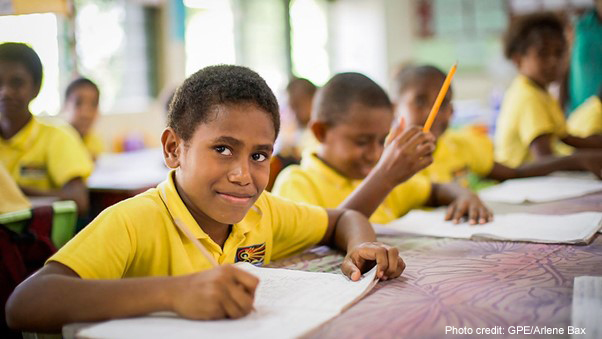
(260, 157)
(223, 150)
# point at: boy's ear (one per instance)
(171, 147)
(319, 129)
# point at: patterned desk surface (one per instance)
(477, 284)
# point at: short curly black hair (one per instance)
(525, 31)
(407, 77)
(80, 82)
(25, 55)
(333, 101)
(218, 85)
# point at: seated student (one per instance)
(43, 159)
(586, 120)
(81, 110)
(353, 169)
(531, 124)
(221, 163)
(12, 197)
(467, 149)
(301, 93)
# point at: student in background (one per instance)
(586, 120)
(585, 70)
(43, 159)
(531, 124)
(354, 169)
(81, 111)
(469, 149)
(222, 126)
(300, 93)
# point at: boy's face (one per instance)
(17, 89)
(417, 101)
(82, 108)
(542, 62)
(225, 165)
(354, 146)
(300, 102)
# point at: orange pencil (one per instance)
(439, 100)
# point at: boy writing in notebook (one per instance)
(467, 149)
(43, 159)
(221, 129)
(354, 169)
(531, 124)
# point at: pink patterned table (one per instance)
(472, 284)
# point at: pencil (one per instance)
(439, 100)
(196, 243)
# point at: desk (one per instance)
(118, 176)
(450, 282)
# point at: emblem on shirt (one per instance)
(32, 171)
(254, 254)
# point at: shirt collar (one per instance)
(23, 139)
(318, 168)
(178, 210)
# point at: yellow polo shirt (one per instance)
(526, 113)
(459, 152)
(93, 144)
(586, 120)
(44, 156)
(316, 183)
(137, 237)
(12, 197)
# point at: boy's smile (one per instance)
(224, 167)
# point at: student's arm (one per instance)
(350, 231)
(579, 161)
(407, 154)
(461, 201)
(593, 141)
(56, 296)
(541, 146)
(74, 189)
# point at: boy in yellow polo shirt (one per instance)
(81, 111)
(222, 125)
(531, 124)
(44, 160)
(469, 149)
(351, 118)
(586, 120)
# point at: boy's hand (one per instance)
(362, 257)
(406, 153)
(222, 292)
(471, 206)
(591, 161)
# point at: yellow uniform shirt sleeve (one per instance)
(535, 120)
(93, 144)
(296, 226)
(414, 193)
(102, 250)
(294, 184)
(586, 120)
(478, 152)
(67, 158)
(12, 197)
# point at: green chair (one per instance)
(64, 220)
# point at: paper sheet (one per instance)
(132, 170)
(540, 189)
(288, 304)
(570, 228)
(587, 307)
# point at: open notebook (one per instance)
(288, 304)
(540, 189)
(578, 228)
